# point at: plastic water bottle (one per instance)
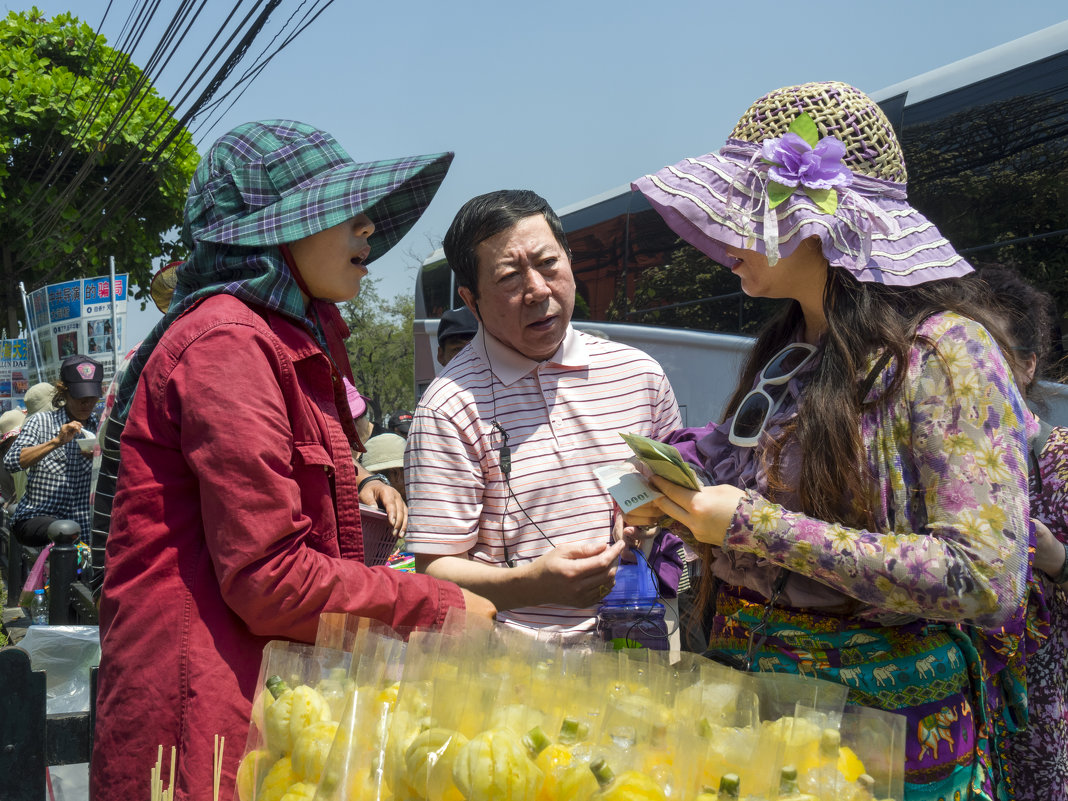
(631, 615)
(39, 608)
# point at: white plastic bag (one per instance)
(65, 653)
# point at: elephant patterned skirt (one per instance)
(924, 671)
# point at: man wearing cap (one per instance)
(502, 497)
(59, 472)
(400, 423)
(456, 328)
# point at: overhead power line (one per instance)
(210, 79)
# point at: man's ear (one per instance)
(468, 297)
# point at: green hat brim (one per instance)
(393, 193)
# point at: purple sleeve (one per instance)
(685, 441)
(666, 562)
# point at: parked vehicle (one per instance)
(980, 136)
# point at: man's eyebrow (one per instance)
(543, 249)
(505, 258)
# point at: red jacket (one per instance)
(236, 521)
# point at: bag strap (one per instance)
(1038, 441)
(869, 379)
(1037, 445)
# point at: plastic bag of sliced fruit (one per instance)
(295, 715)
(313, 718)
(475, 714)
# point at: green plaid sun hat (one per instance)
(265, 184)
(277, 181)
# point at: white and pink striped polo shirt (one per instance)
(563, 418)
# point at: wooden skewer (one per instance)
(157, 776)
(174, 758)
(220, 747)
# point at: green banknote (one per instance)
(664, 460)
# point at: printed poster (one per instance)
(100, 339)
(14, 372)
(74, 317)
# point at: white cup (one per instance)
(86, 440)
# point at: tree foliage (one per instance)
(92, 163)
(691, 291)
(1013, 187)
(381, 349)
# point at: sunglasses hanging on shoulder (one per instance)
(758, 406)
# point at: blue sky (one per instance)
(570, 99)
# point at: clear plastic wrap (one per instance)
(295, 717)
(480, 713)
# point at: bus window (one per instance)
(434, 294)
(630, 267)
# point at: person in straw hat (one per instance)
(236, 517)
(12, 485)
(385, 457)
(867, 487)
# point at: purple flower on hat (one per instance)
(794, 161)
(800, 158)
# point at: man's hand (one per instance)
(639, 525)
(68, 432)
(707, 512)
(382, 495)
(478, 606)
(575, 574)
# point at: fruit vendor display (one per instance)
(481, 720)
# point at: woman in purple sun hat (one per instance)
(867, 487)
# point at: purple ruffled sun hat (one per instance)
(818, 159)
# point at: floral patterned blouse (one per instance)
(948, 461)
(1037, 757)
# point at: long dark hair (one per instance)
(863, 319)
(1028, 313)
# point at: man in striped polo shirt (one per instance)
(499, 461)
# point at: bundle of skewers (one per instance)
(161, 793)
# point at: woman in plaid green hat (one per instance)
(236, 517)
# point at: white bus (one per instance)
(986, 144)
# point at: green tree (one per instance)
(692, 291)
(381, 348)
(994, 178)
(92, 163)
